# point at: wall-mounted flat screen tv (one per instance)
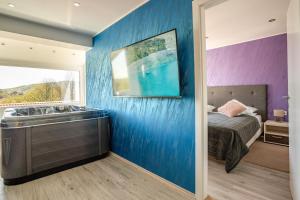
(148, 68)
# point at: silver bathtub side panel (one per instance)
(30, 150)
(55, 145)
(104, 135)
(14, 163)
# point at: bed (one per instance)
(229, 139)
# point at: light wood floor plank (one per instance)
(247, 181)
(106, 179)
(113, 179)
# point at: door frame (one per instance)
(201, 130)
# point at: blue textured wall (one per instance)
(155, 133)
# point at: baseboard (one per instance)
(160, 179)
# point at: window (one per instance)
(22, 85)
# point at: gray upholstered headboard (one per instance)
(250, 95)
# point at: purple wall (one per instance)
(262, 61)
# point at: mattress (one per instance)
(258, 133)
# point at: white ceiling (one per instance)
(231, 22)
(91, 17)
(236, 21)
(32, 54)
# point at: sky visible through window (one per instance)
(11, 77)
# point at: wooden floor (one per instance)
(247, 182)
(262, 154)
(106, 179)
(113, 179)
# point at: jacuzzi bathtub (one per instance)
(31, 116)
(42, 139)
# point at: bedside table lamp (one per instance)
(279, 114)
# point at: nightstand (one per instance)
(276, 132)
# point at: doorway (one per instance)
(201, 88)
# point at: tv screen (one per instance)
(148, 68)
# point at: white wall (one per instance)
(293, 29)
(1, 112)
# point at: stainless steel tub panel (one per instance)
(58, 144)
(14, 163)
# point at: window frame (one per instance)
(82, 90)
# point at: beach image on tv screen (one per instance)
(147, 69)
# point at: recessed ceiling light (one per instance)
(11, 5)
(272, 20)
(76, 4)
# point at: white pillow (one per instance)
(249, 111)
(210, 108)
(232, 108)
